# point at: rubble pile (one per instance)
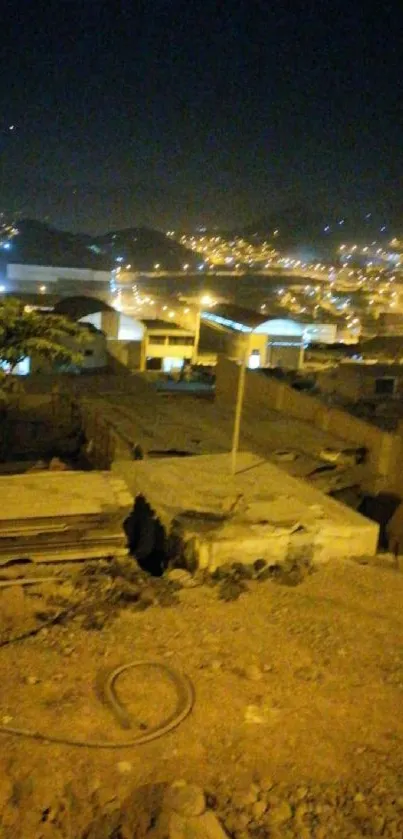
(102, 589)
(182, 810)
(95, 595)
(232, 579)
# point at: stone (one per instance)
(265, 574)
(255, 715)
(378, 824)
(300, 812)
(266, 783)
(258, 809)
(253, 673)
(32, 680)
(259, 564)
(242, 571)
(182, 577)
(124, 767)
(185, 799)
(205, 826)
(244, 799)
(241, 821)
(280, 813)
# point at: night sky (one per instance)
(175, 114)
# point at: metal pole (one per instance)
(197, 337)
(238, 413)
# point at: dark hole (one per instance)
(146, 538)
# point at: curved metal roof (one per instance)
(81, 306)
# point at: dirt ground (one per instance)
(299, 684)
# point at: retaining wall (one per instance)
(269, 393)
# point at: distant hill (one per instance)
(39, 244)
(301, 225)
(144, 248)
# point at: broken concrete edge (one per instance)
(261, 526)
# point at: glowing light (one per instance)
(206, 300)
(42, 288)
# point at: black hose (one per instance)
(185, 701)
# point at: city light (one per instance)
(206, 300)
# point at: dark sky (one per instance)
(174, 113)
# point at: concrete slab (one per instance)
(261, 512)
(50, 516)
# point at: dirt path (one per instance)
(304, 685)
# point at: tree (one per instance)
(24, 332)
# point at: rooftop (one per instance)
(238, 314)
(166, 325)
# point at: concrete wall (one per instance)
(53, 274)
(128, 353)
(110, 321)
(263, 393)
(354, 382)
(93, 351)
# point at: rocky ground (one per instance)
(296, 728)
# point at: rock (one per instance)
(280, 813)
(258, 565)
(300, 813)
(124, 767)
(378, 824)
(242, 571)
(266, 574)
(258, 809)
(266, 783)
(57, 465)
(185, 799)
(253, 673)
(182, 577)
(147, 597)
(32, 680)
(256, 715)
(231, 589)
(244, 799)
(205, 826)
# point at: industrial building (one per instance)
(274, 342)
